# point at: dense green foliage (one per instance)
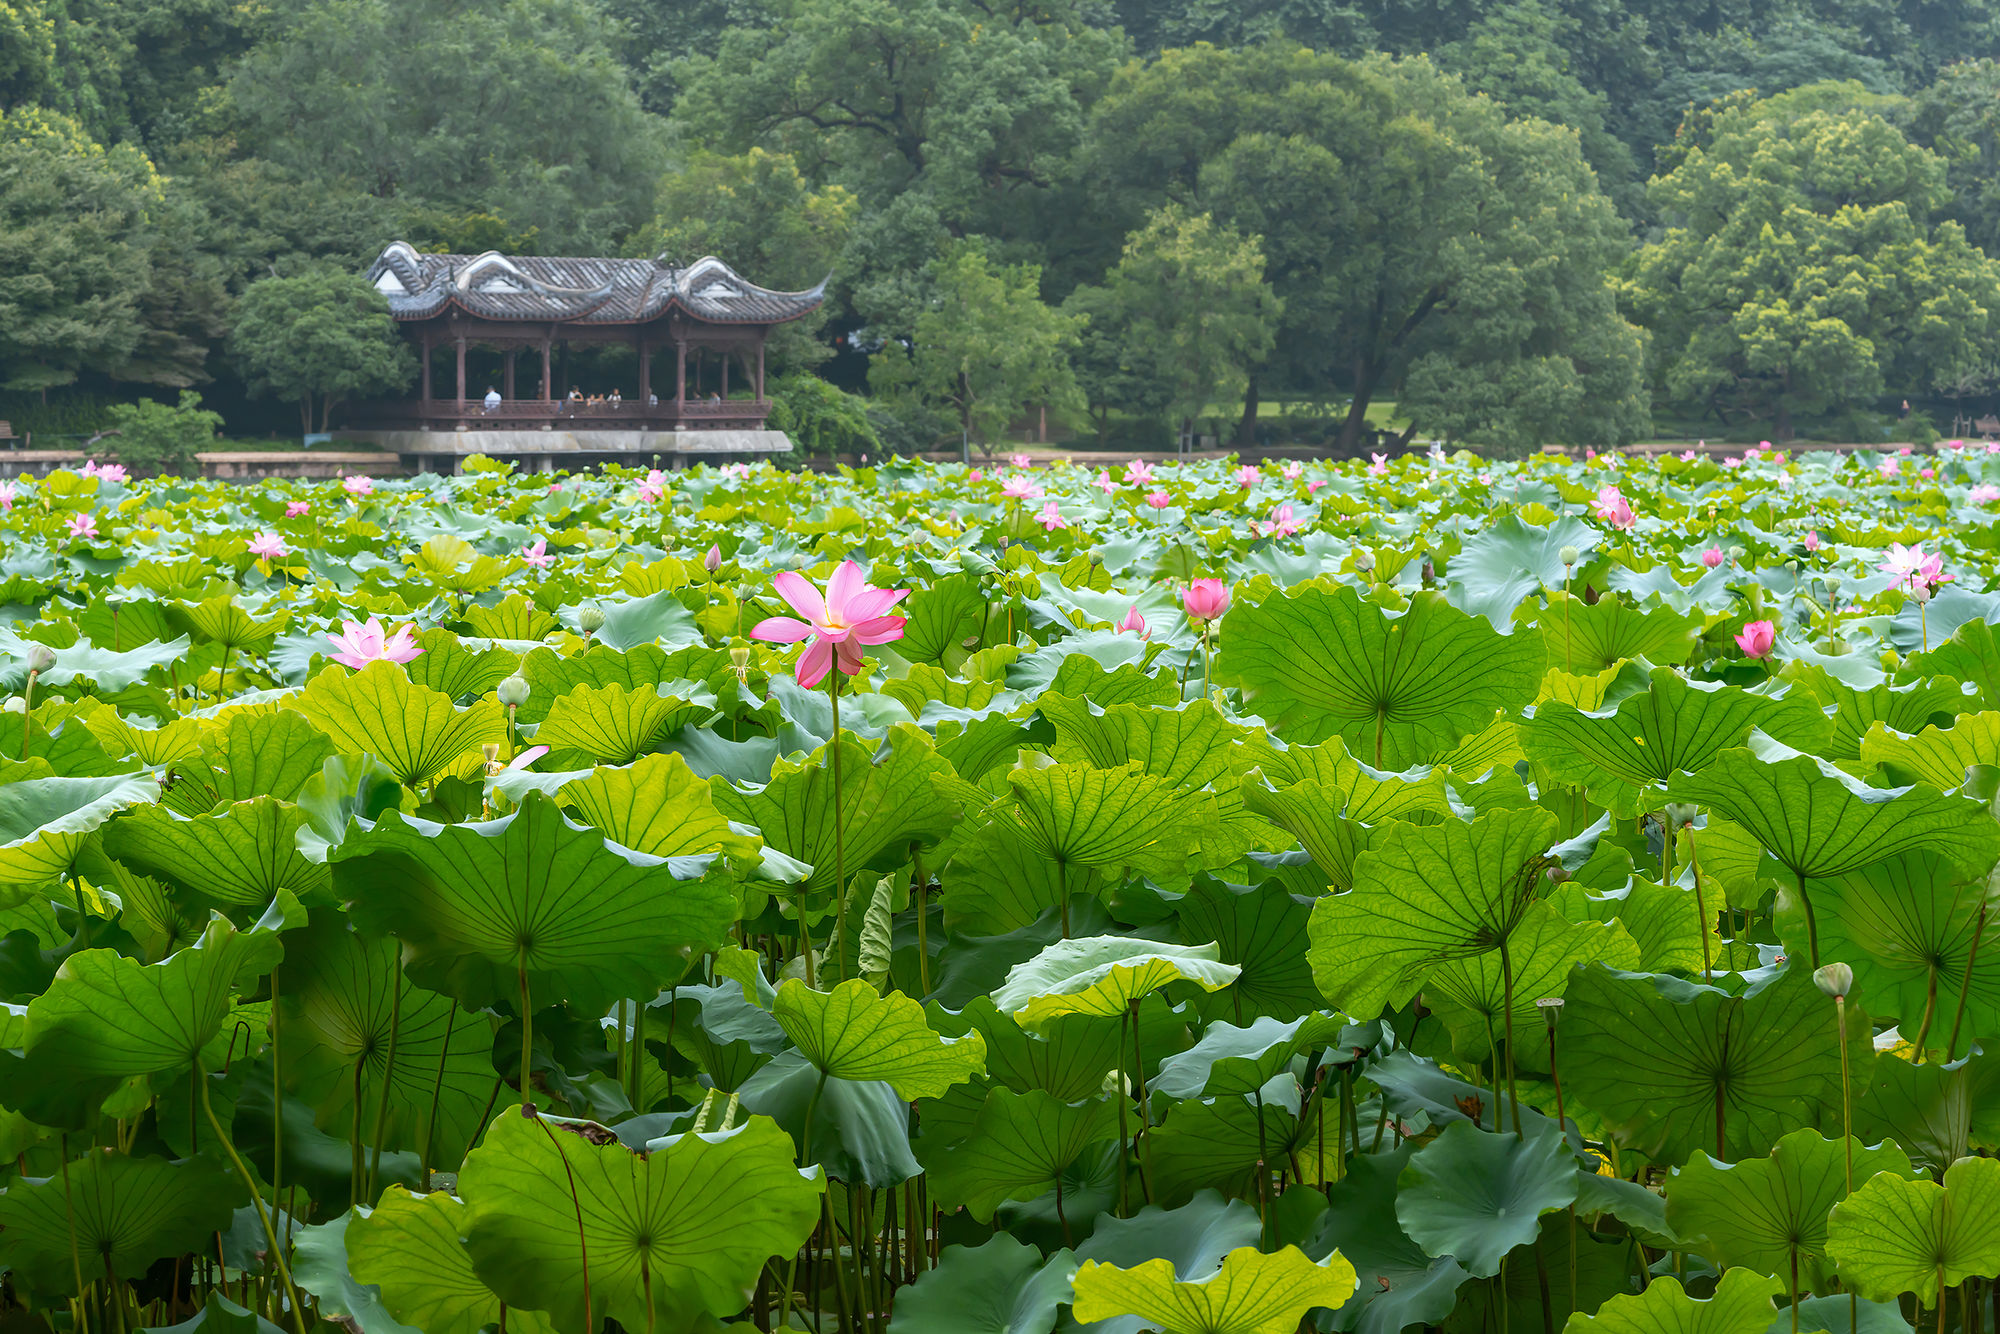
(1523, 222)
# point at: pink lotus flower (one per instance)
(6, 497)
(268, 546)
(1904, 450)
(1378, 465)
(737, 471)
(1712, 557)
(1206, 599)
(1763, 446)
(554, 487)
(1020, 460)
(361, 643)
(1757, 639)
(1613, 509)
(83, 525)
(1050, 518)
(712, 561)
(1486, 479)
(537, 554)
(1138, 471)
(1282, 523)
(1315, 485)
(1248, 476)
(1812, 537)
(1020, 488)
(297, 508)
(1913, 565)
(654, 487)
(1134, 622)
(1293, 469)
(1732, 464)
(975, 476)
(1784, 481)
(1983, 494)
(1778, 459)
(1889, 468)
(1926, 473)
(110, 472)
(852, 614)
(1159, 500)
(358, 485)
(1105, 484)
(1689, 456)
(1589, 455)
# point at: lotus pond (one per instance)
(1436, 892)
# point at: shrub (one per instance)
(156, 437)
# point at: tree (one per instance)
(160, 437)
(1405, 225)
(821, 418)
(1802, 271)
(986, 346)
(1958, 118)
(324, 335)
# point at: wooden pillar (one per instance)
(725, 373)
(461, 370)
(426, 340)
(760, 370)
(645, 372)
(548, 377)
(507, 373)
(680, 377)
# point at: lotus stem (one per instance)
(69, 1215)
(1812, 924)
(527, 1034)
(437, 1093)
(277, 1252)
(635, 1071)
(1930, 1012)
(388, 1075)
(1700, 907)
(1507, 991)
(1145, 1118)
(1124, 1136)
(1206, 688)
(1551, 1008)
(839, 841)
(278, 1099)
(920, 882)
(27, 732)
(1965, 986)
(576, 1202)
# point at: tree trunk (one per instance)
(1246, 428)
(325, 412)
(305, 414)
(1356, 426)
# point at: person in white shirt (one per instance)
(492, 399)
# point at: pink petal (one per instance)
(813, 663)
(847, 656)
(847, 581)
(880, 630)
(870, 603)
(780, 630)
(798, 590)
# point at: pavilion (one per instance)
(705, 318)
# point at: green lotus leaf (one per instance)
(1770, 1214)
(683, 1229)
(1741, 1305)
(1400, 688)
(412, 1248)
(346, 1030)
(513, 617)
(1262, 930)
(1937, 1112)
(219, 1315)
(550, 675)
(1425, 894)
(656, 620)
(1842, 1315)
(319, 1267)
(1067, 1057)
(999, 880)
(1972, 654)
(1102, 975)
(856, 1132)
(1229, 1059)
(853, 1033)
(530, 897)
(221, 620)
(1401, 1285)
(1001, 1287)
(1252, 1293)
(1114, 819)
(1475, 1195)
(1330, 802)
(1470, 992)
(1895, 1235)
(112, 671)
(1194, 1238)
(119, 1212)
(413, 729)
(243, 853)
(1624, 756)
(453, 563)
(1220, 1144)
(1910, 707)
(1907, 926)
(1728, 857)
(1663, 920)
(456, 670)
(1640, 1208)
(44, 822)
(609, 724)
(250, 755)
(889, 801)
(1591, 636)
(1938, 756)
(1018, 1148)
(1675, 1068)
(76, 738)
(165, 745)
(942, 617)
(1510, 560)
(657, 806)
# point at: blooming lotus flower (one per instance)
(83, 525)
(1105, 484)
(1812, 537)
(1378, 465)
(1757, 639)
(737, 471)
(1315, 484)
(1732, 463)
(1206, 599)
(1020, 460)
(113, 472)
(1689, 456)
(1712, 557)
(654, 488)
(1913, 564)
(1282, 523)
(1613, 508)
(358, 485)
(1889, 468)
(1020, 488)
(975, 476)
(1134, 622)
(853, 613)
(1926, 473)
(1293, 469)
(6, 497)
(537, 554)
(554, 487)
(297, 508)
(1983, 494)
(268, 546)
(1137, 471)
(1050, 518)
(1905, 450)
(361, 643)
(1248, 476)
(1159, 500)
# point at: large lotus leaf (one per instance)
(680, 1230)
(1591, 636)
(1842, 1315)
(1401, 1285)
(1937, 1112)
(1741, 1305)
(1068, 1057)
(1907, 926)
(941, 617)
(44, 822)
(1663, 920)
(1819, 822)
(1972, 654)
(112, 671)
(347, 789)
(657, 806)
(1400, 688)
(451, 667)
(120, 1214)
(1108, 819)
(240, 854)
(412, 1248)
(1475, 1194)
(219, 1315)
(1511, 560)
(1422, 895)
(855, 1132)
(1262, 930)
(1019, 1146)
(346, 1029)
(999, 880)
(889, 800)
(513, 617)
(551, 675)
(1895, 1235)
(1470, 992)
(1624, 756)
(1676, 1068)
(1939, 756)
(1228, 1144)
(251, 755)
(659, 619)
(480, 907)
(1001, 1287)
(609, 724)
(1101, 975)
(222, 620)
(1328, 800)
(1230, 1059)
(1769, 1214)
(156, 746)
(413, 729)
(1728, 858)
(853, 1033)
(319, 1267)
(1908, 708)
(1252, 1293)
(1194, 1238)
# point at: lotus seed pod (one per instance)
(1792, 567)
(590, 618)
(1832, 581)
(40, 658)
(1736, 553)
(1680, 814)
(739, 658)
(514, 691)
(1570, 555)
(1364, 559)
(1835, 979)
(1549, 1003)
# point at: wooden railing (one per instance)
(448, 413)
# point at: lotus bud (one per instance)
(1792, 566)
(1680, 814)
(1096, 559)
(1921, 592)
(590, 618)
(1736, 553)
(1364, 559)
(1835, 979)
(1557, 874)
(713, 560)
(1570, 555)
(40, 658)
(514, 691)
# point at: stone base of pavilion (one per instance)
(550, 451)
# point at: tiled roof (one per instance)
(493, 286)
